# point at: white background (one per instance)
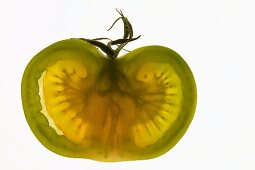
(215, 37)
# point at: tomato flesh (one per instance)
(79, 103)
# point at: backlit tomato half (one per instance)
(81, 103)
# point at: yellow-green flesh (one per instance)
(79, 103)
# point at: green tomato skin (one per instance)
(96, 62)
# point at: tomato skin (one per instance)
(128, 65)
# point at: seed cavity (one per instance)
(57, 100)
(44, 111)
(160, 102)
(62, 93)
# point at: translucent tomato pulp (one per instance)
(134, 107)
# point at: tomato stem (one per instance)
(120, 43)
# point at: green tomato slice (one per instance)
(79, 103)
